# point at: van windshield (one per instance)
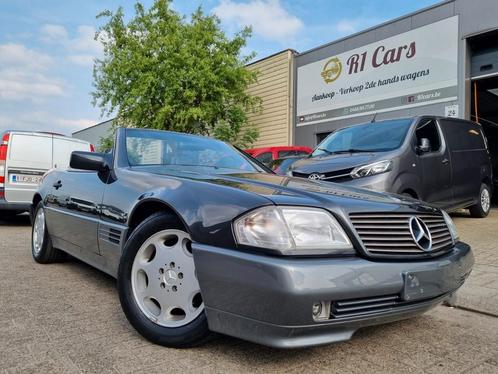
(370, 137)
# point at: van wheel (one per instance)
(158, 287)
(41, 244)
(481, 209)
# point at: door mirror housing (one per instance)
(424, 146)
(89, 161)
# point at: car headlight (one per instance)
(451, 226)
(372, 169)
(289, 173)
(292, 230)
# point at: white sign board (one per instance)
(451, 111)
(411, 69)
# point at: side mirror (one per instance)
(89, 161)
(424, 146)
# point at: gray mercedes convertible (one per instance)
(202, 239)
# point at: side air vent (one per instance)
(110, 234)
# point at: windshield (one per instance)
(369, 137)
(180, 151)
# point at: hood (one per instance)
(288, 190)
(329, 163)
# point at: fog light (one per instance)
(317, 309)
(321, 310)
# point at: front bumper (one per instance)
(380, 182)
(268, 300)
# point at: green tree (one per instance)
(162, 71)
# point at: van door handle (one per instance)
(57, 185)
(445, 161)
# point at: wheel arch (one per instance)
(148, 207)
(36, 200)
(409, 183)
(487, 181)
(411, 192)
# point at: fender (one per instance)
(206, 208)
(407, 181)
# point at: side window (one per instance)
(290, 153)
(463, 135)
(265, 158)
(283, 154)
(428, 130)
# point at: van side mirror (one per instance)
(424, 146)
(89, 161)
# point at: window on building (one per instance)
(320, 137)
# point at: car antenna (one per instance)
(373, 118)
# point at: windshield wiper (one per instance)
(325, 150)
(350, 150)
(354, 150)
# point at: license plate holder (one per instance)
(427, 284)
(25, 179)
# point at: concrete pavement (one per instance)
(66, 318)
(480, 292)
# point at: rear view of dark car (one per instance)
(443, 161)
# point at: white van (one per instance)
(24, 158)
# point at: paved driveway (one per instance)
(66, 318)
(480, 292)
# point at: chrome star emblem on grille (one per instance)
(420, 233)
(315, 176)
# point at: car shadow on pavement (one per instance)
(19, 220)
(220, 345)
(464, 213)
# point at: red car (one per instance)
(268, 154)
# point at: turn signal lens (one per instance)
(451, 226)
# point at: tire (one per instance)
(153, 289)
(483, 206)
(41, 245)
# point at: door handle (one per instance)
(57, 185)
(445, 161)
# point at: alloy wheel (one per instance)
(485, 200)
(164, 282)
(38, 231)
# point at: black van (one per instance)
(443, 161)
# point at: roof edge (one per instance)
(293, 51)
(437, 5)
(97, 124)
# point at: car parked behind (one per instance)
(443, 161)
(266, 155)
(24, 158)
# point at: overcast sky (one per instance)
(47, 47)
